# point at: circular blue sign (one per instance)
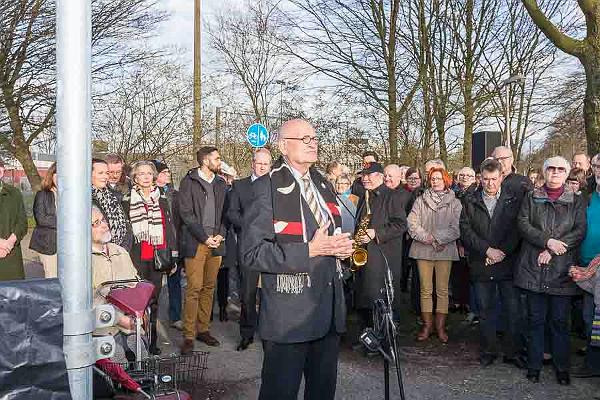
(257, 135)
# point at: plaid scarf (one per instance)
(113, 212)
(289, 219)
(146, 217)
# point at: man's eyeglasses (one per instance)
(98, 222)
(556, 169)
(305, 139)
(596, 166)
(466, 176)
(503, 158)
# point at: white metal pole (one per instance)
(73, 63)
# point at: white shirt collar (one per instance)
(204, 177)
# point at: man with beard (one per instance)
(291, 237)
(201, 199)
(240, 200)
(386, 227)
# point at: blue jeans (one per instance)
(488, 292)
(557, 308)
(592, 355)
(175, 302)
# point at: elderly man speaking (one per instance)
(293, 240)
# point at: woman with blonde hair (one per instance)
(433, 223)
(153, 233)
(43, 238)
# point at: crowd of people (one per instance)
(516, 254)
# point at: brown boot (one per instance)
(440, 326)
(427, 327)
(187, 347)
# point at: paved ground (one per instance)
(430, 370)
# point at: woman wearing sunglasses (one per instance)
(552, 222)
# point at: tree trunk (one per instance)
(23, 155)
(393, 134)
(591, 104)
(469, 114)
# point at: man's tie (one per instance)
(311, 200)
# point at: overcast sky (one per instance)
(179, 29)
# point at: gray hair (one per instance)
(503, 148)
(435, 162)
(596, 158)
(138, 164)
(557, 161)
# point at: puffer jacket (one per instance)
(441, 220)
(539, 220)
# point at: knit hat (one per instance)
(160, 166)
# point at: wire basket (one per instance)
(168, 374)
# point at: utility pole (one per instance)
(197, 75)
(73, 127)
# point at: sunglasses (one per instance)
(556, 169)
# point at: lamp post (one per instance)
(281, 83)
(506, 85)
(197, 127)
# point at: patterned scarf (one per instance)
(146, 217)
(113, 212)
(289, 219)
(437, 197)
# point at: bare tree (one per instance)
(246, 42)
(27, 63)
(149, 112)
(358, 44)
(586, 50)
(472, 23)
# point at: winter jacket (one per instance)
(12, 220)
(440, 220)
(43, 238)
(388, 219)
(169, 228)
(539, 220)
(192, 199)
(479, 232)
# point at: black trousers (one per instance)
(248, 316)
(284, 365)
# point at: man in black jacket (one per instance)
(292, 239)
(201, 198)
(488, 233)
(386, 228)
(240, 200)
(518, 184)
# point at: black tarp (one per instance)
(32, 363)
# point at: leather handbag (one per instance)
(163, 260)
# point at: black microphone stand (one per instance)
(384, 328)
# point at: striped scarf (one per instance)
(146, 217)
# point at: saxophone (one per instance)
(359, 253)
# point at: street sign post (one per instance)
(257, 135)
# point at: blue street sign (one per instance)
(257, 135)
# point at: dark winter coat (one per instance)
(192, 199)
(518, 184)
(12, 220)
(479, 232)
(389, 222)
(170, 237)
(539, 220)
(43, 238)
(290, 317)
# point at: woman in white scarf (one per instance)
(153, 230)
